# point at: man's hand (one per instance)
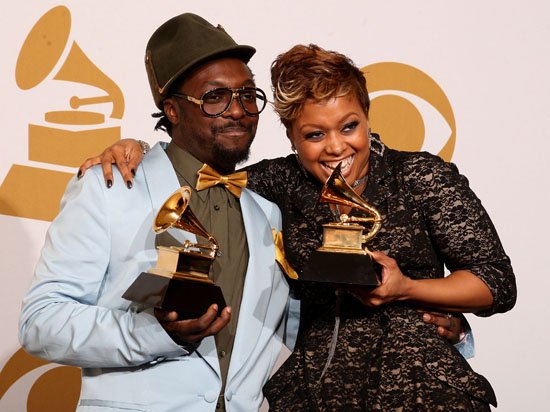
(449, 326)
(193, 330)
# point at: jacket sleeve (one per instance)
(461, 230)
(65, 317)
(466, 346)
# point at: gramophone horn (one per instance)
(43, 47)
(175, 212)
(41, 52)
(337, 191)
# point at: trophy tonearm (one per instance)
(342, 258)
(347, 235)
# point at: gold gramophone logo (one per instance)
(409, 109)
(56, 388)
(70, 134)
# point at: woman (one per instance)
(368, 348)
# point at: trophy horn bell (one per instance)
(337, 191)
(175, 212)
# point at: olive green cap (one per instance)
(183, 43)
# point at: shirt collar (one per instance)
(186, 165)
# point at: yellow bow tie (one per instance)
(208, 177)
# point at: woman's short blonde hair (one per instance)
(312, 73)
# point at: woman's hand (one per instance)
(449, 325)
(126, 153)
(460, 291)
(393, 284)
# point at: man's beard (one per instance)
(227, 158)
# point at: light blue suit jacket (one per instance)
(74, 314)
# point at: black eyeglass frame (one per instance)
(234, 93)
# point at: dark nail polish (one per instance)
(79, 174)
(129, 184)
(109, 183)
(133, 172)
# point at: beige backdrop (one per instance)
(467, 80)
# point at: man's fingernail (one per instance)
(109, 183)
(129, 184)
(79, 174)
(425, 316)
(133, 172)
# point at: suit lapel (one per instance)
(161, 183)
(258, 282)
(159, 175)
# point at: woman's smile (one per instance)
(330, 132)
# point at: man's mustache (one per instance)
(232, 127)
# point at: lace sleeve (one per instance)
(461, 229)
(272, 178)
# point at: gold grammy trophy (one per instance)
(342, 258)
(180, 279)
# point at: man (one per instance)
(137, 358)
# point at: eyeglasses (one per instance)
(217, 101)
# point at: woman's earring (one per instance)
(300, 165)
(370, 134)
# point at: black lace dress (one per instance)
(386, 358)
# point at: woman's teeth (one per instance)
(344, 163)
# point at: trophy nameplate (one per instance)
(180, 279)
(342, 258)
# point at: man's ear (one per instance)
(171, 110)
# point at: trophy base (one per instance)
(352, 269)
(190, 298)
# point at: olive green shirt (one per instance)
(220, 213)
